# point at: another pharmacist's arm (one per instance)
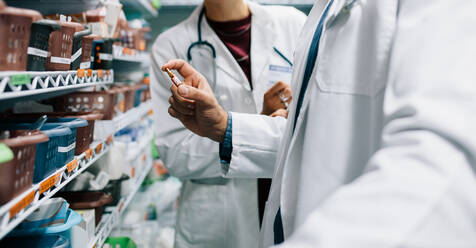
(249, 142)
(185, 154)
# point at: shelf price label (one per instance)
(50, 182)
(71, 166)
(100, 73)
(20, 79)
(98, 148)
(23, 203)
(88, 153)
(109, 140)
(81, 73)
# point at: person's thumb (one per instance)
(193, 93)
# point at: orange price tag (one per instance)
(109, 140)
(144, 157)
(89, 72)
(50, 182)
(23, 203)
(98, 148)
(108, 72)
(88, 153)
(146, 80)
(101, 73)
(127, 51)
(133, 171)
(122, 106)
(80, 73)
(72, 165)
(150, 112)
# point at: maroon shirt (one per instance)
(236, 35)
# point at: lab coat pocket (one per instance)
(352, 59)
(201, 206)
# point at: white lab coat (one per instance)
(218, 215)
(384, 150)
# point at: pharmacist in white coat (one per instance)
(214, 211)
(380, 146)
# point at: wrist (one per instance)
(220, 129)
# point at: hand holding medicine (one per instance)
(193, 102)
(277, 97)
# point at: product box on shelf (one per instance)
(87, 223)
(61, 46)
(50, 155)
(81, 200)
(15, 26)
(39, 43)
(63, 228)
(77, 50)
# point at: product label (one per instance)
(37, 52)
(77, 54)
(64, 149)
(105, 56)
(20, 79)
(50, 182)
(98, 148)
(85, 65)
(72, 165)
(59, 60)
(23, 203)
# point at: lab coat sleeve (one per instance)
(418, 189)
(185, 154)
(255, 140)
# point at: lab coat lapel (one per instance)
(262, 42)
(337, 7)
(290, 141)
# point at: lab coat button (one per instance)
(223, 98)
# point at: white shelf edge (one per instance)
(46, 82)
(109, 222)
(139, 57)
(124, 120)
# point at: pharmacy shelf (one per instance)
(16, 84)
(105, 128)
(19, 208)
(138, 9)
(124, 120)
(109, 221)
(129, 55)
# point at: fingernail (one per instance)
(183, 90)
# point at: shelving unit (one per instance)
(24, 84)
(106, 128)
(23, 205)
(19, 208)
(109, 221)
(131, 116)
(119, 54)
(20, 86)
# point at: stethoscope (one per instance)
(207, 44)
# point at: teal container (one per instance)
(47, 158)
